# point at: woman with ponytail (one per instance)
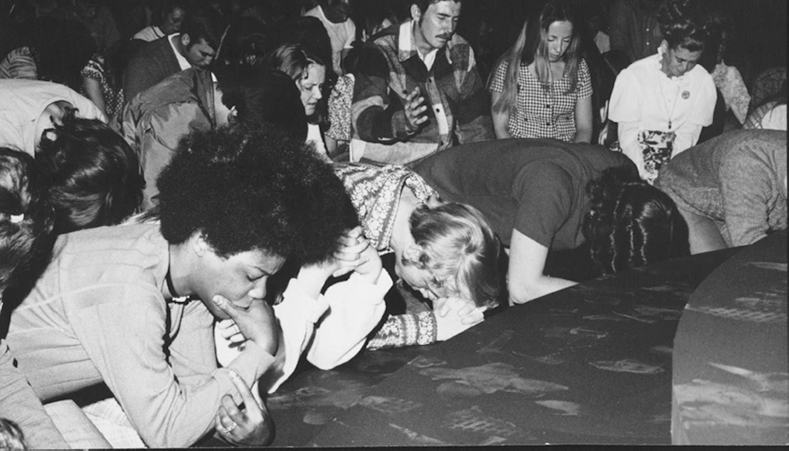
(541, 87)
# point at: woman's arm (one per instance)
(628, 142)
(583, 120)
(93, 92)
(525, 278)
(500, 120)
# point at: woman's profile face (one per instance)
(310, 87)
(558, 38)
(679, 61)
(418, 279)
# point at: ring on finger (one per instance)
(229, 429)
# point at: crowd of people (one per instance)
(188, 211)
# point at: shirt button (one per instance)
(438, 110)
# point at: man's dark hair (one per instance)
(424, 4)
(245, 43)
(204, 23)
(165, 7)
(253, 188)
(260, 94)
(309, 33)
(92, 175)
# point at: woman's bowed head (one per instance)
(455, 254)
(684, 25)
(631, 223)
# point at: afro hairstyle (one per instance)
(254, 188)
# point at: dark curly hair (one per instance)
(631, 223)
(93, 176)
(248, 188)
(246, 42)
(684, 24)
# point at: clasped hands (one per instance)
(252, 425)
(454, 315)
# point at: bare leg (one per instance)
(703, 234)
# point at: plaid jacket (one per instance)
(390, 68)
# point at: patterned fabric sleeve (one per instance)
(731, 85)
(497, 82)
(405, 330)
(375, 193)
(340, 109)
(754, 120)
(584, 80)
(19, 63)
(93, 70)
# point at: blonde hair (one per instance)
(459, 249)
(531, 47)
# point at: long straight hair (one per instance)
(532, 46)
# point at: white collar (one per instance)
(682, 80)
(183, 63)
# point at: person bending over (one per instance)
(23, 232)
(731, 190)
(446, 251)
(534, 194)
(92, 175)
(155, 121)
(133, 306)
(30, 107)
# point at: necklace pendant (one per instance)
(669, 125)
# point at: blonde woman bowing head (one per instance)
(541, 87)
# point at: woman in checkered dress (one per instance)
(541, 87)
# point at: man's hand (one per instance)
(251, 426)
(454, 315)
(415, 110)
(256, 323)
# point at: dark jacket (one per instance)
(152, 63)
(154, 121)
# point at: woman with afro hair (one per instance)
(134, 305)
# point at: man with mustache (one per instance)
(418, 90)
